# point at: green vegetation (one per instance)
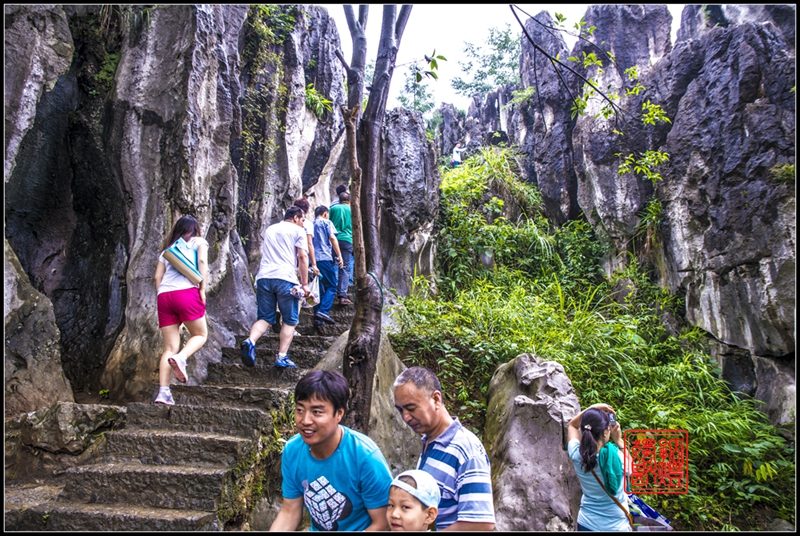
(316, 102)
(543, 292)
(103, 393)
(265, 100)
(258, 474)
(520, 97)
(491, 66)
(416, 94)
(783, 173)
(650, 220)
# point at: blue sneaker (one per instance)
(284, 362)
(248, 353)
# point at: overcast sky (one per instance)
(446, 28)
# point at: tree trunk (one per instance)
(363, 148)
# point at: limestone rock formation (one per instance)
(544, 124)
(637, 36)
(32, 355)
(408, 210)
(169, 131)
(165, 111)
(68, 427)
(529, 405)
(38, 49)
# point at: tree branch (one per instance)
(400, 26)
(343, 61)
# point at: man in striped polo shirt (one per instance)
(451, 453)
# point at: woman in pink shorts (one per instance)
(180, 302)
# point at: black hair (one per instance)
(327, 385)
(186, 225)
(344, 197)
(341, 188)
(320, 210)
(292, 212)
(424, 378)
(597, 421)
(303, 204)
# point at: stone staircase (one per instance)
(197, 465)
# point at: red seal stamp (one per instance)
(658, 461)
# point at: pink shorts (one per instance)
(180, 306)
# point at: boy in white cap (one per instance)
(413, 501)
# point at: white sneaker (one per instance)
(178, 364)
(164, 397)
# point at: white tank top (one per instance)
(173, 279)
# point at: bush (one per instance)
(545, 294)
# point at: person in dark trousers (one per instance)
(342, 220)
(326, 245)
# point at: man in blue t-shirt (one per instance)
(326, 245)
(340, 475)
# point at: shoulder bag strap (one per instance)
(627, 514)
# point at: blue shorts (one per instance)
(270, 292)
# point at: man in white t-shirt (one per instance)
(285, 247)
(457, 150)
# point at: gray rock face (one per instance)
(544, 126)
(170, 120)
(529, 405)
(777, 387)
(697, 21)
(38, 49)
(451, 130)
(735, 121)
(296, 152)
(408, 205)
(32, 356)
(637, 36)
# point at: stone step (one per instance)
(234, 396)
(270, 341)
(181, 487)
(304, 358)
(342, 314)
(78, 517)
(327, 330)
(220, 420)
(169, 447)
(230, 372)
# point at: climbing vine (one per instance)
(264, 103)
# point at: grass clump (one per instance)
(544, 293)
